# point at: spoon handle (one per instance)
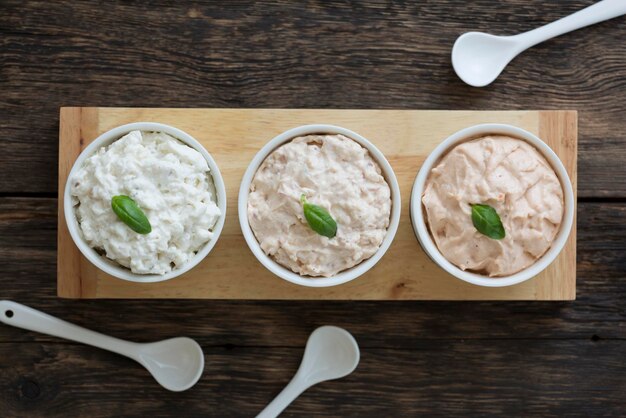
(21, 316)
(284, 398)
(599, 12)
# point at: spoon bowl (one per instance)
(478, 58)
(330, 353)
(176, 364)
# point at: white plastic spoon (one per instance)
(478, 58)
(330, 353)
(176, 364)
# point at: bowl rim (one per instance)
(418, 217)
(109, 266)
(345, 275)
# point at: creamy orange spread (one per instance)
(515, 179)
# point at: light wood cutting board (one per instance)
(233, 136)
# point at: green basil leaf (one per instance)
(319, 219)
(127, 210)
(487, 222)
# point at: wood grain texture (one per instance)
(234, 136)
(516, 378)
(283, 54)
(68, 261)
(541, 359)
(27, 241)
(426, 358)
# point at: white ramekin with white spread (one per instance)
(483, 168)
(332, 167)
(170, 177)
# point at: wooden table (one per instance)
(418, 359)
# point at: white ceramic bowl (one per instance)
(346, 275)
(418, 213)
(110, 266)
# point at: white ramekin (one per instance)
(110, 266)
(418, 215)
(285, 273)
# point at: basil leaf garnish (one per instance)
(127, 210)
(487, 222)
(319, 219)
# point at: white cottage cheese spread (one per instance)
(334, 172)
(509, 175)
(168, 180)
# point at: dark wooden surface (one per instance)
(418, 359)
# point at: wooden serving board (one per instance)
(233, 136)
